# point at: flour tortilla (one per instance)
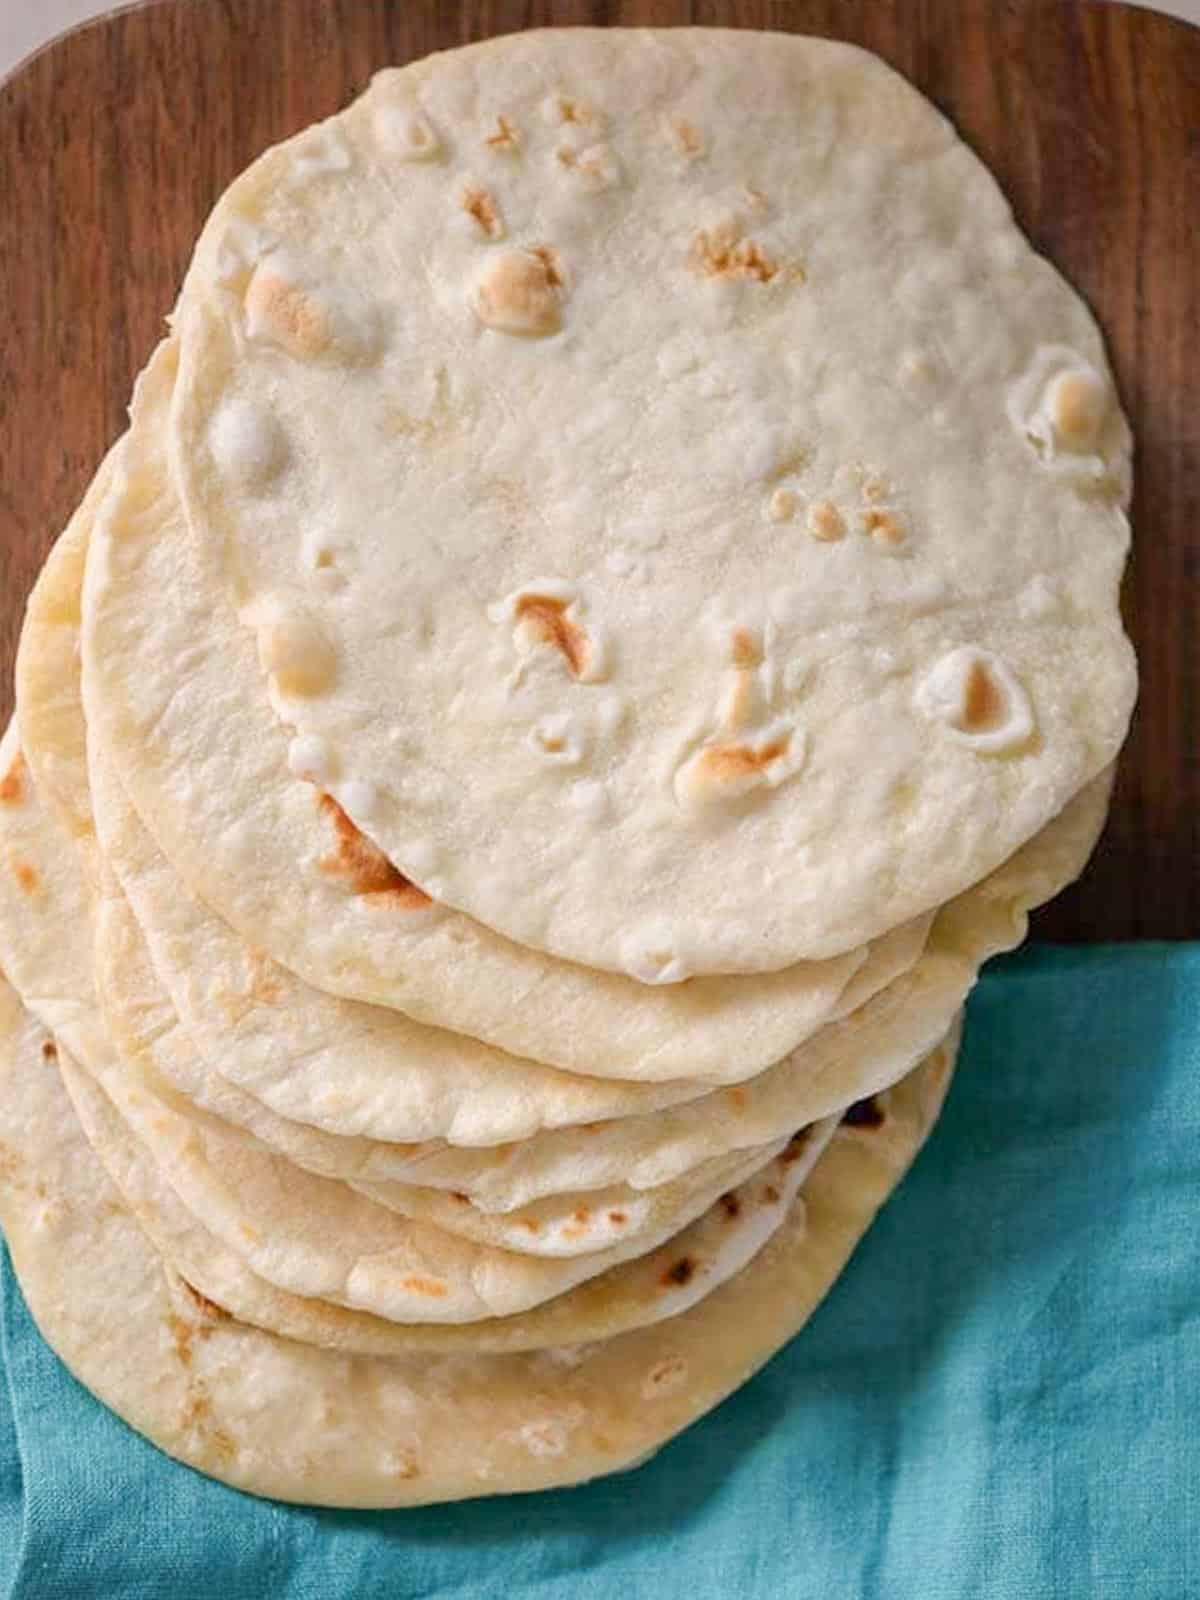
(206, 765)
(561, 641)
(276, 1416)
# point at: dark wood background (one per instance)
(116, 139)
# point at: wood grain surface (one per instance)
(116, 140)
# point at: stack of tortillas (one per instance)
(605, 616)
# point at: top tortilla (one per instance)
(679, 515)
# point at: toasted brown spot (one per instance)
(26, 876)
(10, 1166)
(292, 317)
(731, 1205)
(197, 1413)
(1078, 404)
(825, 522)
(682, 1272)
(406, 1465)
(722, 252)
(744, 649)
(197, 1410)
(737, 1098)
(883, 527)
(725, 762)
(771, 1194)
(796, 1147)
(457, 1194)
(432, 1288)
(364, 866)
(577, 113)
(262, 977)
(983, 701)
(546, 618)
(181, 1337)
(504, 136)
(12, 785)
(781, 507)
(686, 137)
(582, 1214)
(531, 1224)
(522, 292)
(49, 1051)
(874, 489)
(481, 208)
(866, 1113)
(618, 1217)
(222, 1443)
(208, 1308)
(664, 1376)
(552, 263)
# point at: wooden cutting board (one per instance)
(116, 140)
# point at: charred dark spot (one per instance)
(682, 1272)
(49, 1051)
(796, 1147)
(866, 1113)
(731, 1205)
(364, 866)
(457, 1194)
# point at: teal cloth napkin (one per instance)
(1000, 1399)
